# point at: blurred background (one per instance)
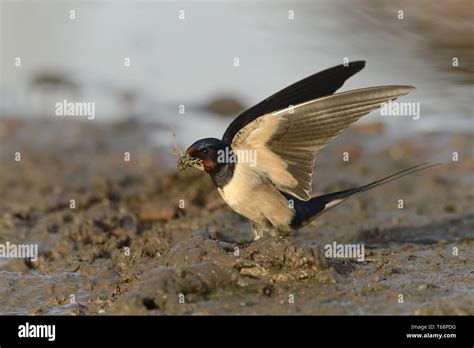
(190, 61)
(183, 74)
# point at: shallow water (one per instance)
(188, 62)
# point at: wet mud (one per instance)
(142, 238)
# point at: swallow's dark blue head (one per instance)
(208, 151)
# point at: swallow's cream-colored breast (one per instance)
(256, 198)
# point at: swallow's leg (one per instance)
(260, 231)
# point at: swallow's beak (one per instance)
(187, 160)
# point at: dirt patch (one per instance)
(141, 238)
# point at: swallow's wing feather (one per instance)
(315, 86)
(286, 141)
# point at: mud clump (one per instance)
(209, 266)
(280, 260)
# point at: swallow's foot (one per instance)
(260, 231)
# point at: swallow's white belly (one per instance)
(256, 199)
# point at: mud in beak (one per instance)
(187, 161)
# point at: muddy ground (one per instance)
(129, 248)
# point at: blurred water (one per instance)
(190, 61)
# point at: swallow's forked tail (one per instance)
(306, 211)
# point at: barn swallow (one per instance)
(285, 132)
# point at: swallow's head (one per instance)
(203, 154)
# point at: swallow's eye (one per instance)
(204, 151)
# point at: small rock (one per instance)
(53, 228)
(127, 222)
(255, 271)
(156, 215)
(67, 218)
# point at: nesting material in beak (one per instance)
(186, 161)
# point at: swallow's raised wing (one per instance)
(315, 86)
(286, 141)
